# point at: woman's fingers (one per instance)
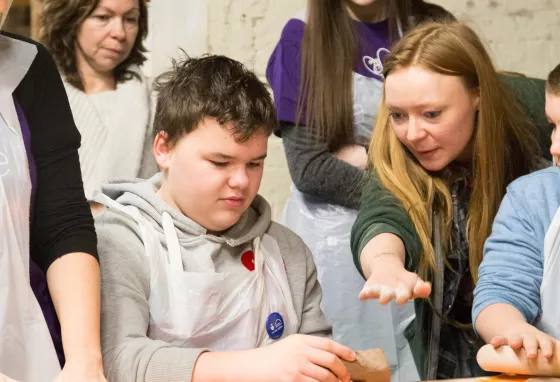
(422, 289)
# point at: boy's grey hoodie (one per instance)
(128, 354)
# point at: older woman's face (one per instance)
(105, 39)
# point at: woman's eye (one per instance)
(102, 17)
(396, 116)
(432, 114)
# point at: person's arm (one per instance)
(386, 248)
(503, 325)
(507, 294)
(295, 358)
(73, 281)
(63, 241)
(316, 171)
(382, 213)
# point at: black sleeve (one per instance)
(315, 171)
(62, 221)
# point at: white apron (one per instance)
(27, 353)
(220, 311)
(550, 319)
(325, 228)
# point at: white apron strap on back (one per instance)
(173, 246)
(128, 210)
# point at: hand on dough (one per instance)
(529, 338)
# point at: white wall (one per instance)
(175, 24)
(522, 35)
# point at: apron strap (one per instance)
(173, 247)
(259, 256)
(131, 211)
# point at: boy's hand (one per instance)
(302, 358)
(528, 337)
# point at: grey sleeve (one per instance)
(128, 353)
(315, 171)
(313, 321)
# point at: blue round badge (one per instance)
(275, 325)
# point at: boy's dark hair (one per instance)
(216, 87)
(553, 81)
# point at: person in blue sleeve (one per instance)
(514, 302)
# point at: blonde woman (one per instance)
(326, 110)
(46, 227)
(449, 137)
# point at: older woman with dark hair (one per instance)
(46, 227)
(98, 47)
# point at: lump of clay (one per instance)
(369, 366)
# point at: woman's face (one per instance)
(432, 114)
(105, 39)
(366, 10)
(362, 3)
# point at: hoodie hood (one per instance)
(142, 194)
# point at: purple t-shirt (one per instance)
(284, 67)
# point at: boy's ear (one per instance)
(162, 150)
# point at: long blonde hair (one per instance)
(505, 146)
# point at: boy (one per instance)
(515, 299)
(196, 279)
